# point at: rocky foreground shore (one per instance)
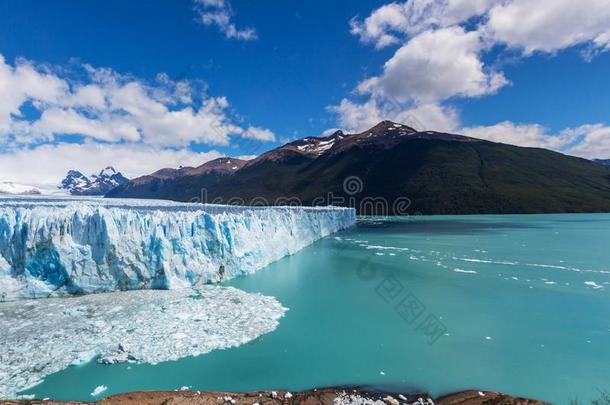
(328, 396)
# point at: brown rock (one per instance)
(314, 397)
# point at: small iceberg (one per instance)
(593, 285)
(98, 390)
(464, 271)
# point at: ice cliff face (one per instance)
(52, 247)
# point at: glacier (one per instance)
(52, 247)
(41, 337)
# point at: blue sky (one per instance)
(249, 75)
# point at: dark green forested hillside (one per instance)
(438, 173)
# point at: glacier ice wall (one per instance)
(41, 337)
(53, 247)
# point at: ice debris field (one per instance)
(41, 337)
(52, 247)
(170, 252)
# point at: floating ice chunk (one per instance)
(487, 337)
(98, 390)
(26, 397)
(49, 338)
(593, 285)
(380, 247)
(119, 356)
(464, 271)
(83, 357)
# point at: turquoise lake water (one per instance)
(518, 304)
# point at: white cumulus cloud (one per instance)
(111, 119)
(357, 117)
(531, 25)
(220, 13)
(530, 135)
(261, 134)
(46, 164)
(23, 82)
(435, 65)
(589, 141)
(443, 53)
(550, 25)
(390, 23)
(68, 121)
(110, 107)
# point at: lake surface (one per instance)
(518, 304)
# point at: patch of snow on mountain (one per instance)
(325, 145)
(317, 147)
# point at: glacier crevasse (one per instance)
(54, 247)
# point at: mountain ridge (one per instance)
(77, 183)
(429, 172)
(603, 162)
(149, 184)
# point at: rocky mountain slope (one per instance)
(394, 169)
(166, 183)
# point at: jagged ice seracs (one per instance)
(52, 247)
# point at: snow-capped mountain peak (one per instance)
(98, 184)
(75, 180)
(108, 171)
